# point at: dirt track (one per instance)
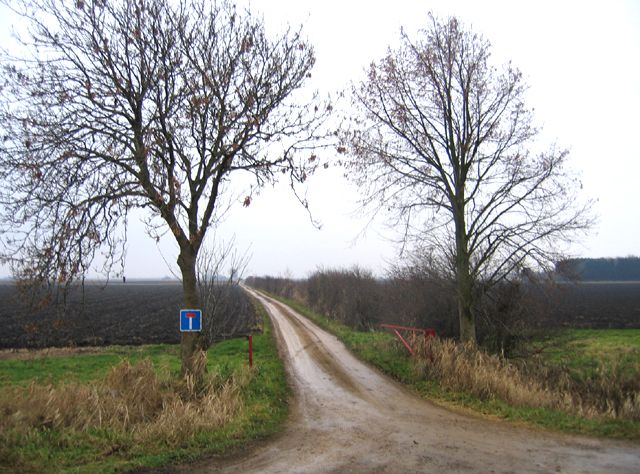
(347, 417)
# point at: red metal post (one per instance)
(250, 351)
(406, 344)
(396, 329)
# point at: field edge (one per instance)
(266, 409)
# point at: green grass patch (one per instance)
(64, 367)
(577, 348)
(584, 351)
(264, 393)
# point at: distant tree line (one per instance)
(409, 296)
(600, 269)
(508, 313)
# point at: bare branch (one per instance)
(142, 104)
(442, 141)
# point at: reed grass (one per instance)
(607, 392)
(130, 400)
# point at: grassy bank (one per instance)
(585, 351)
(579, 350)
(121, 408)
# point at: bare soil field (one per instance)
(138, 312)
(145, 312)
(597, 305)
(347, 417)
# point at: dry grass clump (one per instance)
(131, 399)
(609, 391)
(466, 367)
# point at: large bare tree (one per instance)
(443, 140)
(111, 105)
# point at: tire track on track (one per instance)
(347, 417)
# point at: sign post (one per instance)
(190, 320)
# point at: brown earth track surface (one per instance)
(347, 417)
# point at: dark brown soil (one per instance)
(597, 305)
(138, 312)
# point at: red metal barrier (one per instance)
(428, 332)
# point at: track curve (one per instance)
(347, 417)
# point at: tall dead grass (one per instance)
(465, 367)
(610, 391)
(132, 399)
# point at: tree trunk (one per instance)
(191, 343)
(464, 282)
(465, 301)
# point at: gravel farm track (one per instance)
(347, 417)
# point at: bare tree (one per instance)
(442, 139)
(145, 104)
(225, 307)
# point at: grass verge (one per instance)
(384, 352)
(51, 407)
(585, 351)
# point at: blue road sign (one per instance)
(190, 320)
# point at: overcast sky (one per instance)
(581, 60)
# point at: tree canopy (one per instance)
(443, 141)
(109, 106)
